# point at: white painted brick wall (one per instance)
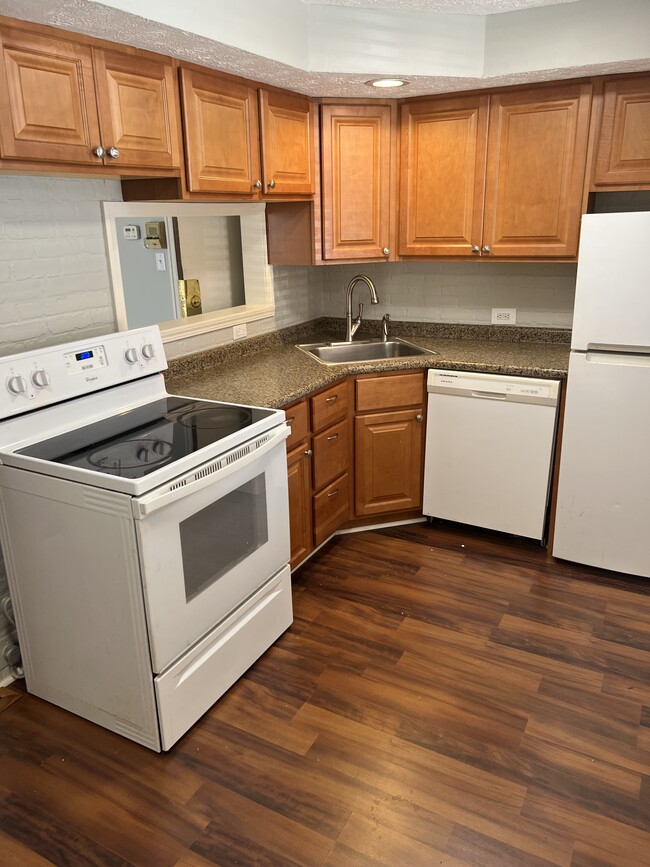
(54, 283)
(464, 292)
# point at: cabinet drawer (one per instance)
(331, 508)
(329, 406)
(298, 421)
(387, 392)
(331, 453)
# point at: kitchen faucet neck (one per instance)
(351, 327)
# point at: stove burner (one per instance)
(131, 455)
(214, 418)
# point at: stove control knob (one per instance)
(17, 385)
(148, 351)
(131, 355)
(40, 378)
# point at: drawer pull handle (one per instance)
(291, 420)
(333, 437)
(330, 399)
(334, 493)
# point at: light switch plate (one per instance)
(239, 331)
(504, 316)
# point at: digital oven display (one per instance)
(82, 356)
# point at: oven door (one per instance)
(209, 540)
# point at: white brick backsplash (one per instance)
(54, 283)
(460, 292)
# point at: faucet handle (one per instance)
(384, 326)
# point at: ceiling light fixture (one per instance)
(387, 82)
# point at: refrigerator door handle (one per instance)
(609, 356)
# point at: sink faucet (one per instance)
(351, 327)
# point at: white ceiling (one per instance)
(464, 7)
(332, 47)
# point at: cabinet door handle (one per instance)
(476, 249)
(333, 437)
(330, 399)
(419, 417)
(386, 251)
(309, 453)
(291, 420)
(257, 185)
(486, 249)
(334, 493)
(99, 151)
(271, 184)
(113, 153)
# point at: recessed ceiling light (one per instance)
(387, 82)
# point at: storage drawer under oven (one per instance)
(192, 685)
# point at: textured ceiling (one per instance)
(464, 7)
(107, 22)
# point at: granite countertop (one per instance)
(270, 371)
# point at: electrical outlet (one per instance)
(239, 331)
(504, 316)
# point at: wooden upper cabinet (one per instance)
(623, 145)
(287, 125)
(537, 151)
(61, 100)
(221, 134)
(47, 99)
(442, 175)
(137, 107)
(357, 164)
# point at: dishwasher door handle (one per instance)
(489, 395)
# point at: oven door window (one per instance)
(223, 534)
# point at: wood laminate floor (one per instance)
(442, 698)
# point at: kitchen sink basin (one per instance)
(363, 350)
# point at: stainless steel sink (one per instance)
(363, 350)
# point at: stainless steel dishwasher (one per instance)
(489, 448)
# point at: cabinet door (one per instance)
(442, 176)
(137, 107)
(300, 521)
(221, 134)
(356, 180)
(287, 144)
(47, 99)
(537, 152)
(623, 155)
(388, 469)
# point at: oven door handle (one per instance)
(163, 496)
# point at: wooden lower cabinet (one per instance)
(389, 442)
(335, 477)
(389, 461)
(300, 520)
(331, 508)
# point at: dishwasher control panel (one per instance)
(515, 388)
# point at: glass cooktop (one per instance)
(140, 441)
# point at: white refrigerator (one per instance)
(603, 508)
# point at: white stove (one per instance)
(146, 535)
